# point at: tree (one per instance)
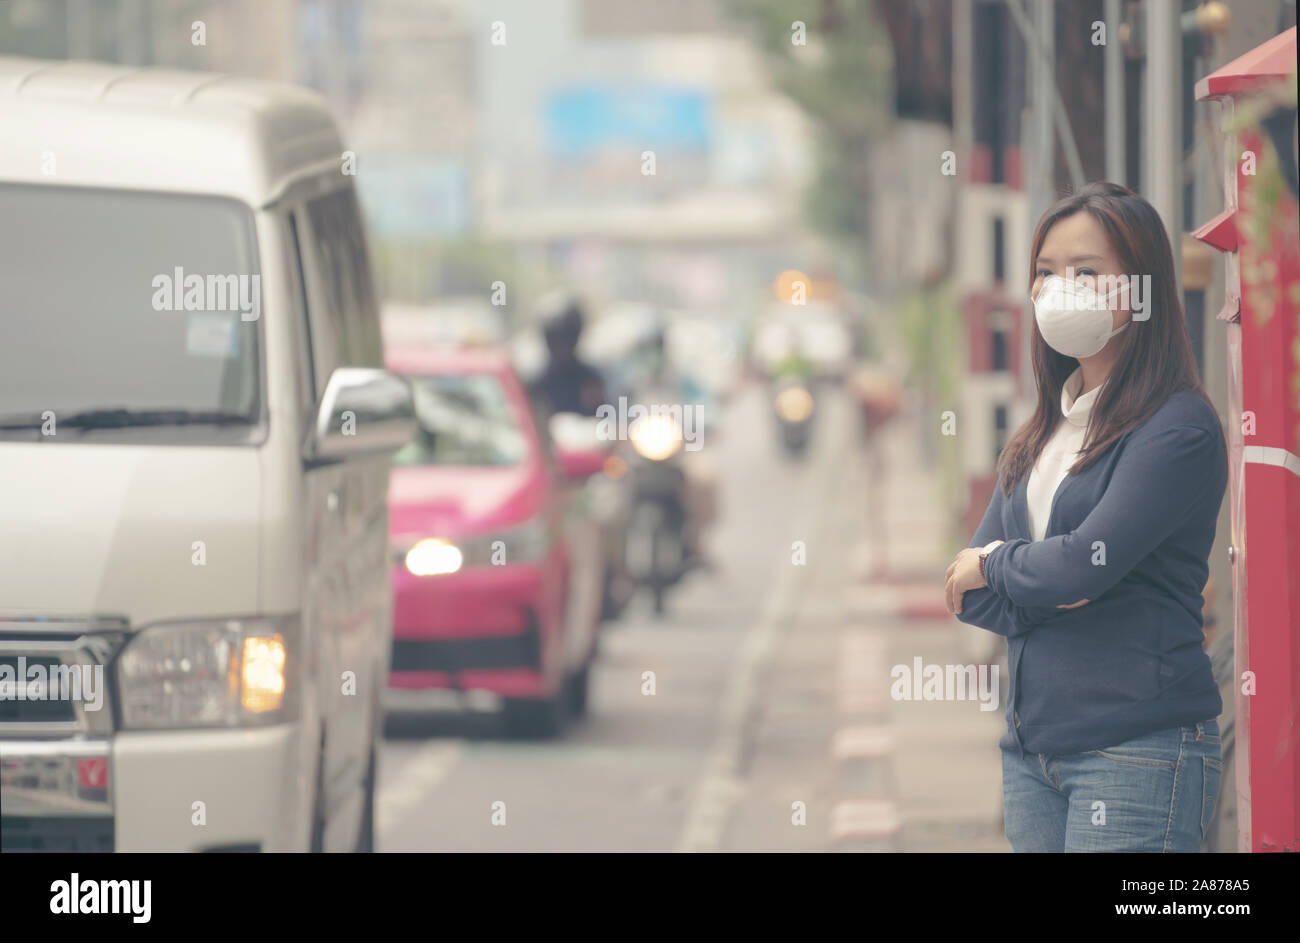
(837, 68)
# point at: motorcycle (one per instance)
(795, 407)
(658, 546)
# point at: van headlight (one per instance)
(655, 437)
(226, 673)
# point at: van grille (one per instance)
(42, 833)
(55, 645)
(30, 709)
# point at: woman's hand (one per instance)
(963, 575)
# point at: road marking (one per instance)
(863, 672)
(865, 820)
(412, 782)
(877, 600)
(851, 743)
(721, 783)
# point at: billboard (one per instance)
(584, 122)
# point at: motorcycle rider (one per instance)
(791, 381)
(649, 367)
(793, 366)
(649, 370)
(567, 384)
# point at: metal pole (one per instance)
(1114, 95)
(1041, 192)
(1164, 119)
(1036, 127)
(1042, 45)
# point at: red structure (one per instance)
(1259, 232)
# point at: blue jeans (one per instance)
(1154, 793)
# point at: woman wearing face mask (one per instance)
(1094, 549)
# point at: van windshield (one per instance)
(127, 315)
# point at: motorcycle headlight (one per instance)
(655, 437)
(227, 673)
(794, 404)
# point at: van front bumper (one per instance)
(188, 790)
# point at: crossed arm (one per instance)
(1157, 479)
(981, 606)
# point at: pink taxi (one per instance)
(497, 573)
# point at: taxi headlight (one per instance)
(433, 556)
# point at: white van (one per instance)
(195, 431)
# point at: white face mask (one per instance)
(1073, 318)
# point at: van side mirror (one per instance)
(364, 411)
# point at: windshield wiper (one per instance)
(127, 418)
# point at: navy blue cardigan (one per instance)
(1132, 534)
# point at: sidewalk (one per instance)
(939, 766)
(871, 773)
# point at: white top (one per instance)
(1059, 453)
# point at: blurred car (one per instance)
(617, 332)
(190, 514)
(497, 571)
(449, 321)
(708, 349)
(816, 332)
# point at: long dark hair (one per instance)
(1155, 357)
